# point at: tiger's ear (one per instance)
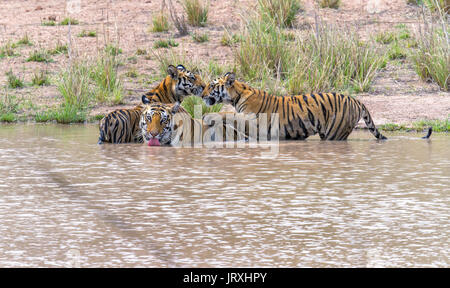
(181, 67)
(229, 77)
(175, 108)
(145, 100)
(173, 72)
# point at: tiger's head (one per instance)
(157, 123)
(182, 83)
(218, 91)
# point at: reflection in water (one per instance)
(66, 201)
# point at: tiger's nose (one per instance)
(154, 133)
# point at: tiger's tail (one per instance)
(369, 123)
(430, 130)
(101, 138)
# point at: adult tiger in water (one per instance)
(171, 124)
(178, 84)
(333, 116)
(121, 126)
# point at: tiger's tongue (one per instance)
(154, 142)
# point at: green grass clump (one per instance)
(132, 73)
(196, 11)
(165, 44)
(40, 78)
(432, 58)
(25, 40)
(39, 56)
(108, 87)
(392, 127)
(85, 33)
(190, 102)
(282, 12)
(74, 85)
(9, 107)
(334, 4)
(229, 39)
(386, 37)
(64, 114)
(8, 117)
(160, 23)
(59, 49)
(200, 38)
(396, 51)
(141, 52)
(68, 20)
(14, 81)
(48, 23)
(113, 50)
(438, 125)
(7, 50)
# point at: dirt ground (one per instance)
(397, 96)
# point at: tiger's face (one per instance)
(218, 91)
(186, 82)
(156, 123)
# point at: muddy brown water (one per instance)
(66, 201)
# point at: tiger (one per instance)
(333, 116)
(178, 84)
(121, 126)
(170, 124)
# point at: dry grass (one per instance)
(196, 11)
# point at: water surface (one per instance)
(66, 201)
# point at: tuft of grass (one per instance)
(8, 117)
(190, 102)
(200, 38)
(326, 58)
(7, 50)
(141, 52)
(132, 59)
(282, 12)
(165, 44)
(85, 33)
(392, 127)
(160, 23)
(48, 23)
(396, 51)
(113, 50)
(40, 78)
(73, 84)
(59, 49)
(229, 39)
(108, 87)
(432, 58)
(196, 11)
(25, 40)
(334, 4)
(14, 81)
(385, 37)
(132, 73)
(438, 125)
(68, 20)
(9, 104)
(39, 56)
(64, 114)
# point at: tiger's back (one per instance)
(121, 126)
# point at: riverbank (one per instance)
(397, 96)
